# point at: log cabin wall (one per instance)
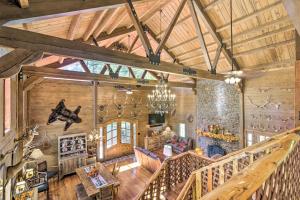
(186, 101)
(269, 103)
(45, 96)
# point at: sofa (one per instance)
(180, 145)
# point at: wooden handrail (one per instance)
(259, 151)
(164, 173)
(242, 186)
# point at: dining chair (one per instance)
(81, 193)
(106, 193)
(116, 169)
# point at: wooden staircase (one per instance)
(273, 164)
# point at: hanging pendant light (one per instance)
(234, 76)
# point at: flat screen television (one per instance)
(154, 119)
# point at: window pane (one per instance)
(108, 144)
(249, 139)
(114, 125)
(262, 138)
(122, 124)
(115, 133)
(114, 141)
(182, 130)
(108, 129)
(101, 155)
(109, 135)
(7, 104)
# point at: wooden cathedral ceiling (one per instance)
(263, 33)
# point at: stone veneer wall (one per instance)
(218, 103)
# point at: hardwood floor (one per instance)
(133, 178)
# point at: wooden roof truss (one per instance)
(104, 31)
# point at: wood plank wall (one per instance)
(45, 96)
(186, 101)
(272, 106)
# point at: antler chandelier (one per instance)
(161, 100)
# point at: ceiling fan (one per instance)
(122, 88)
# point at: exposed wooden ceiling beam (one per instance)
(250, 16)
(292, 7)
(212, 30)
(74, 26)
(131, 72)
(133, 44)
(66, 62)
(39, 10)
(11, 63)
(170, 27)
(154, 37)
(98, 17)
(122, 16)
(84, 66)
(104, 69)
(106, 20)
(149, 13)
(139, 28)
(115, 33)
(64, 74)
(271, 66)
(182, 20)
(262, 36)
(17, 38)
(31, 82)
(200, 34)
(259, 49)
(259, 28)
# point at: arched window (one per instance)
(112, 134)
(125, 132)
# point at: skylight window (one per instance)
(97, 66)
(75, 67)
(94, 66)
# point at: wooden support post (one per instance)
(133, 44)
(297, 81)
(209, 180)
(235, 166)
(221, 174)
(95, 103)
(198, 185)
